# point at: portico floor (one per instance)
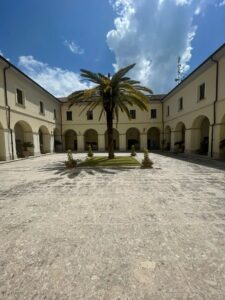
(112, 234)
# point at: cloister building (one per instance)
(190, 118)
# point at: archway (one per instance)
(91, 138)
(2, 144)
(133, 138)
(167, 138)
(71, 140)
(179, 137)
(153, 138)
(222, 138)
(44, 140)
(115, 139)
(200, 135)
(23, 138)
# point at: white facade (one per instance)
(190, 118)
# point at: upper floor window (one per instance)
(201, 92)
(133, 114)
(41, 107)
(54, 114)
(181, 103)
(168, 110)
(19, 97)
(69, 116)
(89, 115)
(153, 114)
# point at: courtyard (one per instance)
(112, 233)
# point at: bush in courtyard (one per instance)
(133, 153)
(71, 162)
(90, 152)
(146, 162)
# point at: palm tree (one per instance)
(112, 94)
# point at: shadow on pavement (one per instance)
(195, 159)
(60, 169)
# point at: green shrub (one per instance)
(90, 152)
(146, 162)
(133, 153)
(71, 162)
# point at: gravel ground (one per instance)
(112, 233)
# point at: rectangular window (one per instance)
(201, 95)
(89, 115)
(133, 114)
(54, 114)
(181, 103)
(41, 107)
(69, 115)
(19, 97)
(168, 110)
(153, 114)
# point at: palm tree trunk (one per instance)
(109, 119)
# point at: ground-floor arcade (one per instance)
(27, 137)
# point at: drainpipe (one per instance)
(214, 103)
(8, 110)
(61, 127)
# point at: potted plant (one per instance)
(179, 147)
(26, 151)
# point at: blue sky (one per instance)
(51, 40)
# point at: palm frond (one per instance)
(118, 75)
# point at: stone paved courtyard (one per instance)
(112, 234)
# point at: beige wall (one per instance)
(80, 124)
(27, 116)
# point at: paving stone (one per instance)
(112, 233)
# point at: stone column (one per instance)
(172, 141)
(143, 141)
(80, 143)
(210, 141)
(5, 149)
(51, 143)
(101, 142)
(122, 143)
(188, 149)
(36, 143)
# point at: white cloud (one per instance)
(1, 53)
(57, 81)
(153, 34)
(73, 47)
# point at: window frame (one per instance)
(168, 111)
(155, 110)
(199, 91)
(180, 107)
(90, 115)
(41, 108)
(23, 97)
(71, 113)
(133, 114)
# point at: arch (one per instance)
(2, 144)
(153, 138)
(70, 140)
(91, 138)
(44, 140)
(222, 138)
(200, 135)
(167, 138)
(179, 137)
(115, 139)
(133, 138)
(23, 134)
